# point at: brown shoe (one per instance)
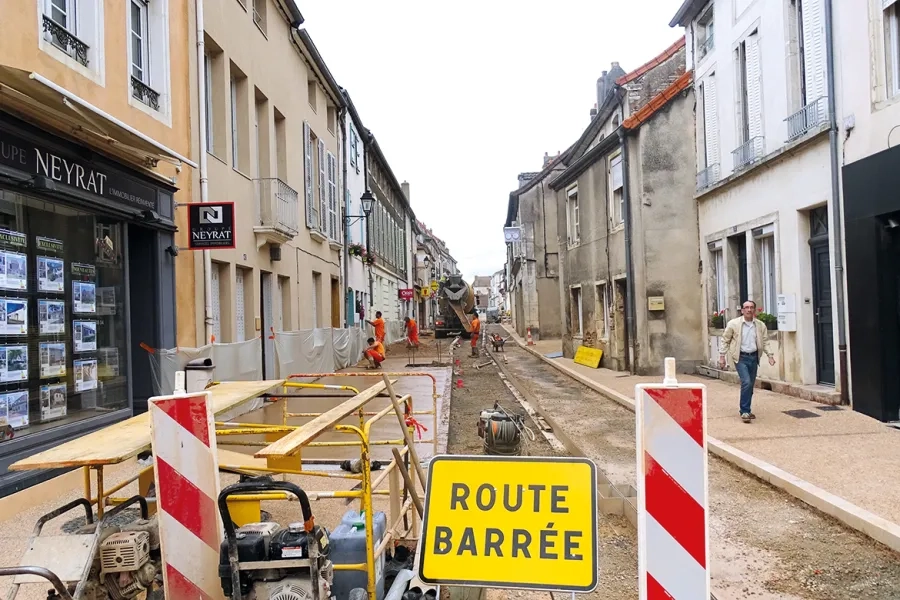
(752, 416)
(746, 417)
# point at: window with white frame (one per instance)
(717, 276)
(71, 30)
(235, 137)
(616, 192)
(259, 14)
(210, 110)
(601, 310)
(891, 10)
(705, 38)
(577, 306)
(765, 252)
(708, 124)
(333, 229)
(148, 53)
(573, 226)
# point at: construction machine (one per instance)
(456, 299)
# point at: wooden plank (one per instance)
(292, 442)
(121, 441)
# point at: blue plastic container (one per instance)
(349, 547)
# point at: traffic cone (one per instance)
(529, 338)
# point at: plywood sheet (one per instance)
(292, 442)
(121, 441)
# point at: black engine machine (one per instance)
(265, 561)
(501, 431)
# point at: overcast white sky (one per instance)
(465, 95)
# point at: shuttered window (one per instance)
(323, 202)
(813, 22)
(754, 87)
(892, 46)
(333, 229)
(312, 218)
(710, 121)
(241, 330)
(216, 304)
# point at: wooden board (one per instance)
(292, 442)
(238, 459)
(121, 441)
(589, 357)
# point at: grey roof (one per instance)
(686, 13)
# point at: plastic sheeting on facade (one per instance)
(240, 361)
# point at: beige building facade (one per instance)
(272, 139)
(95, 159)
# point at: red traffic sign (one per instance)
(407, 294)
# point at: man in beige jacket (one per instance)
(744, 340)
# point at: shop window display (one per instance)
(62, 315)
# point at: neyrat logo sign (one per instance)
(511, 522)
(211, 225)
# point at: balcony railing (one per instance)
(65, 40)
(749, 152)
(144, 93)
(707, 46)
(708, 176)
(810, 117)
(277, 206)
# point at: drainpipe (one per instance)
(204, 175)
(629, 259)
(345, 221)
(836, 202)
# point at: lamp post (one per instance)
(368, 202)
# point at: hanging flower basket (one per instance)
(356, 250)
(370, 260)
(717, 320)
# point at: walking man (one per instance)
(744, 341)
(412, 332)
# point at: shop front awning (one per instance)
(44, 101)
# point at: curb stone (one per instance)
(851, 515)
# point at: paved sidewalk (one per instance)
(843, 452)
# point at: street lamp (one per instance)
(368, 203)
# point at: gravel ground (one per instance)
(618, 560)
(765, 544)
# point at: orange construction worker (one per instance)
(378, 324)
(476, 330)
(412, 332)
(374, 353)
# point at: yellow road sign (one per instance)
(435, 285)
(589, 357)
(511, 522)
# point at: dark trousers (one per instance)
(747, 366)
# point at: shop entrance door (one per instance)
(268, 320)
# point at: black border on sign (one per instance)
(507, 585)
(233, 225)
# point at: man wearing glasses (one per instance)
(744, 341)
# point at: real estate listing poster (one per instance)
(53, 359)
(18, 408)
(4, 410)
(106, 301)
(13, 316)
(84, 297)
(52, 316)
(85, 375)
(85, 336)
(53, 401)
(109, 362)
(51, 274)
(13, 270)
(13, 363)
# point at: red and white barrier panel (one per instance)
(673, 492)
(183, 438)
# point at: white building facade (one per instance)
(357, 271)
(764, 177)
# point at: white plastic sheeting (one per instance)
(240, 361)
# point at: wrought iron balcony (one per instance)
(277, 210)
(707, 46)
(749, 152)
(811, 116)
(65, 40)
(708, 176)
(144, 93)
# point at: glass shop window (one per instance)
(62, 315)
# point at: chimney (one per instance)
(594, 112)
(405, 187)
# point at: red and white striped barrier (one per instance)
(673, 490)
(183, 439)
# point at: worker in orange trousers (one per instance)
(476, 330)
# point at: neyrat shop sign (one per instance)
(26, 156)
(511, 522)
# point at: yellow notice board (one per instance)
(511, 522)
(589, 357)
